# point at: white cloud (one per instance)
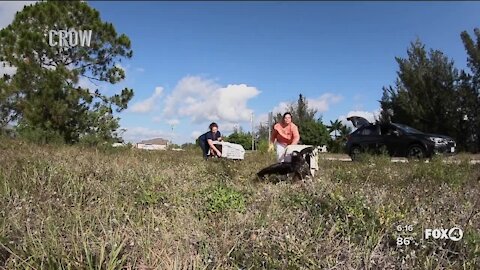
(232, 103)
(189, 88)
(8, 10)
(136, 134)
(139, 69)
(261, 119)
(203, 100)
(173, 122)
(370, 116)
(195, 134)
(282, 107)
(148, 104)
(229, 127)
(321, 104)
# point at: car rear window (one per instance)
(368, 131)
(388, 129)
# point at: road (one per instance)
(340, 157)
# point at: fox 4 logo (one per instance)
(454, 234)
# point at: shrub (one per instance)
(39, 135)
(263, 146)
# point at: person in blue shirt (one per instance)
(206, 141)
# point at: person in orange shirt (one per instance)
(284, 133)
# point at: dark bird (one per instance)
(299, 166)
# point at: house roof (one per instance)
(158, 141)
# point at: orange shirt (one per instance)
(285, 135)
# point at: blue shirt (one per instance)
(210, 135)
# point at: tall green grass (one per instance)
(66, 207)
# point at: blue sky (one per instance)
(197, 62)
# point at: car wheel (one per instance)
(355, 152)
(416, 152)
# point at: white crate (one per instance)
(231, 150)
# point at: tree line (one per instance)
(46, 103)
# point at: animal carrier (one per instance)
(230, 150)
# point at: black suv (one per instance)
(397, 139)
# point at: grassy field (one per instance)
(72, 208)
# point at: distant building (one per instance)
(153, 144)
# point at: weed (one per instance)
(221, 198)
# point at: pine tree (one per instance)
(423, 94)
(43, 95)
(471, 87)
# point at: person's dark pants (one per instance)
(203, 145)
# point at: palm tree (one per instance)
(334, 127)
(344, 131)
